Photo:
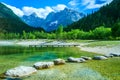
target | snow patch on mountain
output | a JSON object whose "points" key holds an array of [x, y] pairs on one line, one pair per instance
{"points": [[53, 23]]}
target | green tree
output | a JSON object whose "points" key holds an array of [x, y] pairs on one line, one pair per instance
{"points": [[24, 36], [116, 30], [59, 32], [102, 33]]}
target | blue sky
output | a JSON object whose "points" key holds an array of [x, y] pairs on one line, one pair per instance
{"points": [[43, 7]]}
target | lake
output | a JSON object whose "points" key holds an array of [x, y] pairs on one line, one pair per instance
{"points": [[14, 56]]}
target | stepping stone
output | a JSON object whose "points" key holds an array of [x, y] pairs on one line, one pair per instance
{"points": [[20, 71], [115, 54], [109, 56], [59, 61], [99, 58], [86, 58], [78, 60], [43, 65]]}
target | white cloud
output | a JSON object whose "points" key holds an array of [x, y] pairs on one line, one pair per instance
{"points": [[41, 12], [91, 4], [59, 7], [74, 2], [17, 11]]}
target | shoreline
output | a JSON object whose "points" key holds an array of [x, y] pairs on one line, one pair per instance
{"points": [[97, 49]]}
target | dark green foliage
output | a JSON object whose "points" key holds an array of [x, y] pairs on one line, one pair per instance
{"points": [[59, 32], [107, 16], [116, 30], [102, 33], [98, 33], [9, 22]]}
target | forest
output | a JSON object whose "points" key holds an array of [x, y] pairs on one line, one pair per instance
{"points": [[99, 33]]}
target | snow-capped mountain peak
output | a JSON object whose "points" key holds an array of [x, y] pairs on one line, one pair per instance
{"points": [[53, 19]]}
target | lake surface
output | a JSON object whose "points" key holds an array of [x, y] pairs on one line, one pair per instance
{"points": [[13, 56]]}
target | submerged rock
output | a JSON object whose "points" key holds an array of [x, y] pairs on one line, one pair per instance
{"points": [[79, 60], [20, 71], [99, 57], [43, 65], [59, 61]]}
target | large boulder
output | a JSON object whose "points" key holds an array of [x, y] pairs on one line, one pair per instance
{"points": [[78, 60], [86, 58], [99, 57], [59, 61], [43, 65], [20, 71], [109, 56]]}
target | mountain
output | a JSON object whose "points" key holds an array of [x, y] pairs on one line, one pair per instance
{"points": [[54, 19], [33, 20], [107, 16], [9, 22]]}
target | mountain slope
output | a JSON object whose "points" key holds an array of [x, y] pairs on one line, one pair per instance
{"points": [[33, 20], [64, 17], [9, 22], [54, 19], [107, 16]]}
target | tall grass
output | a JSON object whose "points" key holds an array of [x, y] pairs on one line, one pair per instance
{"points": [[108, 68]]}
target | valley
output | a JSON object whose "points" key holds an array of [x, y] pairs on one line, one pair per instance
{"points": [[60, 40]]}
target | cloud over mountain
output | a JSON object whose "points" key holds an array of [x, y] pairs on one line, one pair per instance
{"points": [[41, 12], [79, 5]]}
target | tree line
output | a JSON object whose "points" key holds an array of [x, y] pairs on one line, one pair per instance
{"points": [[100, 32]]}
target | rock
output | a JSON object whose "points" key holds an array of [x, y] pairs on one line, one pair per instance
{"points": [[86, 58], [59, 61], [115, 54], [20, 71], [43, 65], [108, 56], [99, 57], [71, 59]]}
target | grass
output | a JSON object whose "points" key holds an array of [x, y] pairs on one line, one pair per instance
{"points": [[80, 41], [108, 68], [103, 43]]}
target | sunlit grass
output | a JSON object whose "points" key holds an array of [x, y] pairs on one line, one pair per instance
{"points": [[108, 68], [103, 43], [80, 41]]}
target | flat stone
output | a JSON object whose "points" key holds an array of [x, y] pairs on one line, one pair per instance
{"points": [[78, 60], [43, 65], [115, 54], [86, 58], [109, 56], [99, 57], [59, 61], [20, 71]]}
